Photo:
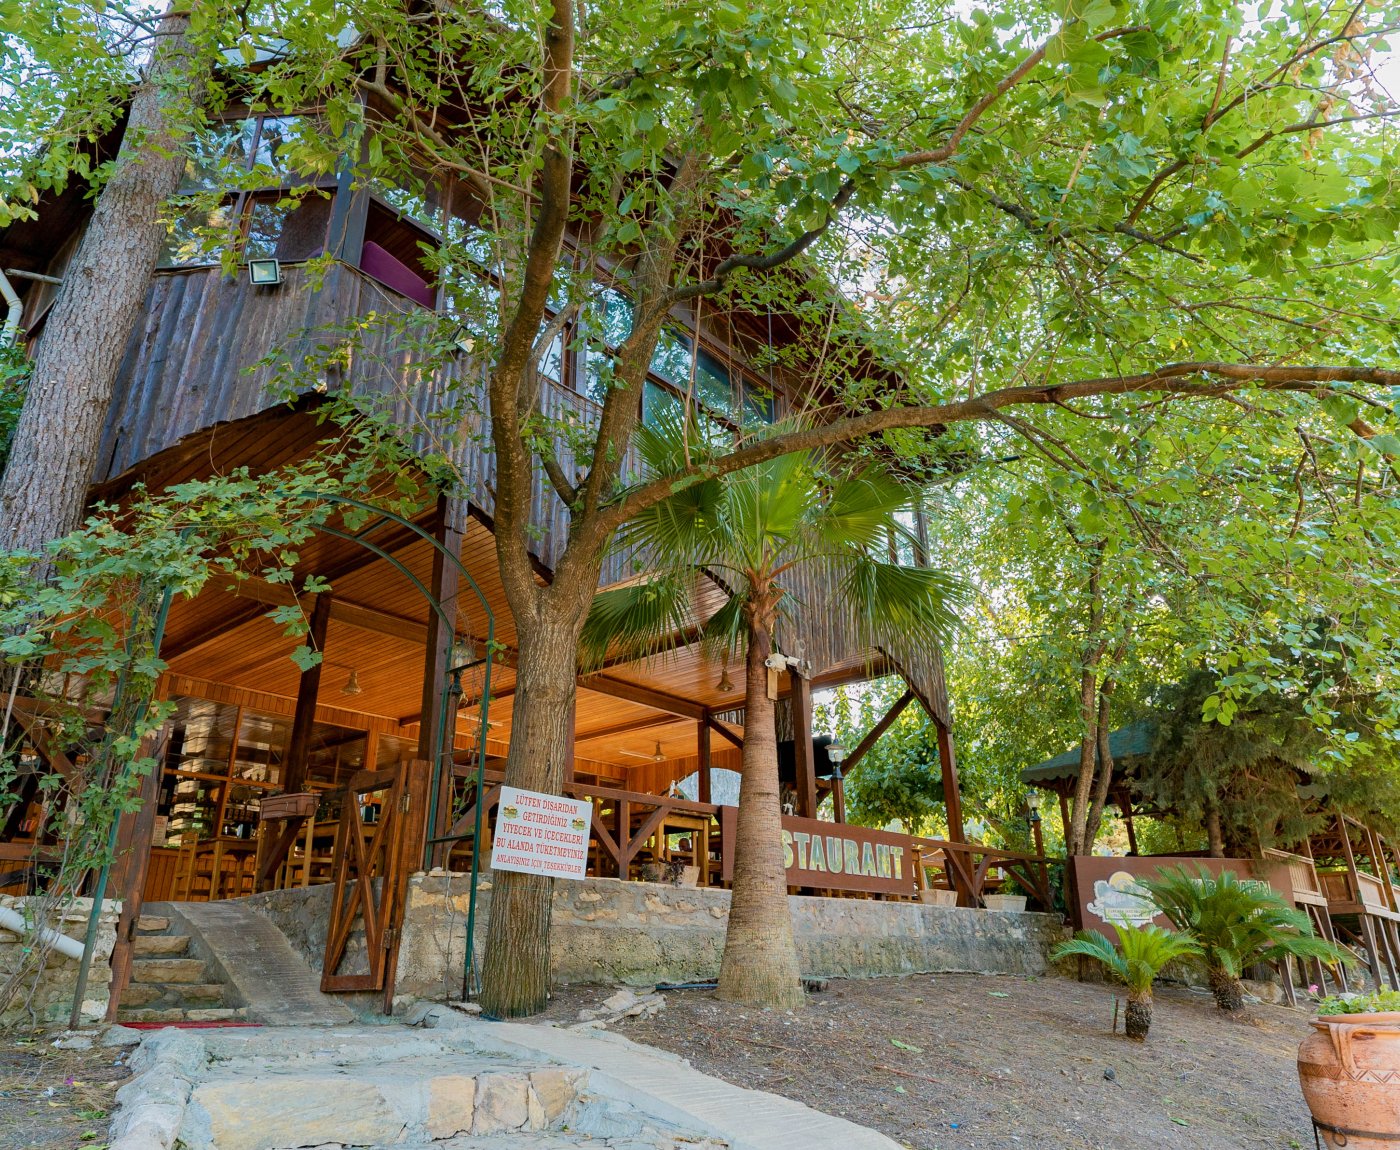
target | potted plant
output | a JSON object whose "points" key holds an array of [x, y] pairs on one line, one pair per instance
{"points": [[1237, 925], [1009, 896], [1135, 962], [1349, 1069]]}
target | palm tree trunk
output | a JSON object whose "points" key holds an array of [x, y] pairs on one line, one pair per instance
{"points": [[1137, 1021], [1228, 990], [760, 956]]}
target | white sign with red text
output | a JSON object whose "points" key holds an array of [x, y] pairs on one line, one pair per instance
{"points": [[541, 834]]}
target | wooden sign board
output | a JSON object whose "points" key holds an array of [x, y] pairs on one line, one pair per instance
{"points": [[834, 856], [541, 834], [1105, 890]]}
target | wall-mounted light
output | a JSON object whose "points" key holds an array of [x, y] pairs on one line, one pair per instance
{"points": [[463, 652], [264, 272], [1033, 805]]}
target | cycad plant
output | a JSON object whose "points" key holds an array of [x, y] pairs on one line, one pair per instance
{"points": [[725, 549], [1136, 961], [1236, 925]]}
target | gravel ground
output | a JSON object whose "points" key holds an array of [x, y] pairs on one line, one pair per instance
{"points": [[952, 1062], [55, 1099]]}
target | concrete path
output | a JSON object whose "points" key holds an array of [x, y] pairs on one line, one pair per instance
{"points": [[274, 983], [451, 1083], [670, 1089]]}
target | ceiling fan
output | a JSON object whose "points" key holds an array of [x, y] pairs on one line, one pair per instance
{"points": [[656, 756]]}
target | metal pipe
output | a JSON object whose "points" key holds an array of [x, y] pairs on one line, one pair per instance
{"points": [[11, 329]]}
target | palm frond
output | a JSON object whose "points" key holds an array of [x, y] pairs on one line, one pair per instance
{"points": [[635, 620], [860, 511], [891, 602]]}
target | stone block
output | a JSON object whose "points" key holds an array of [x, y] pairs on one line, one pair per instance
{"points": [[205, 992], [160, 944], [152, 923], [555, 1090], [167, 970], [260, 1112], [502, 1103], [141, 993], [451, 1105]]}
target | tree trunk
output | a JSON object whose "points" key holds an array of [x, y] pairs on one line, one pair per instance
{"points": [[1084, 784], [759, 966], [44, 491], [1228, 990], [515, 974], [1214, 835], [1105, 776], [1137, 1021]]}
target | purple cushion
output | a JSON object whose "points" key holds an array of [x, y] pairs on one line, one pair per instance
{"points": [[394, 273]]}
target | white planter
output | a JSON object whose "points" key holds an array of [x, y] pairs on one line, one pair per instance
{"points": [[939, 896], [1005, 901]]}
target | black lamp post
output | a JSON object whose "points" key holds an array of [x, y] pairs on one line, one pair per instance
{"points": [[836, 755]]}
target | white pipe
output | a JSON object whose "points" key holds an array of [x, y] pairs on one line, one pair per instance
{"points": [[11, 329], [11, 920]]}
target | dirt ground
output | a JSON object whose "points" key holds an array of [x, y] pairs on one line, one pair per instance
{"points": [[55, 1099], [952, 1062]]}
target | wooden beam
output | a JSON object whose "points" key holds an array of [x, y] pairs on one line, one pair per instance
{"points": [[645, 696], [952, 797], [723, 731], [873, 735], [249, 609], [304, 717], [800, 693], [645, 722], [356, 615]]}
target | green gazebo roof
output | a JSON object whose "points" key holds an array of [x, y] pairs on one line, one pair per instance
{"points": [[1132, 741]]}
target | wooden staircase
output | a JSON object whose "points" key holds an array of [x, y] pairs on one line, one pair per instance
{"points": [[169, 983]]}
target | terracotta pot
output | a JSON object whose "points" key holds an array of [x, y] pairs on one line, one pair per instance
{"points": [[1349, 1068]]}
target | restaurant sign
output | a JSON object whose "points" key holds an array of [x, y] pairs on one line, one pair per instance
{"points": [[834, 856], [541, 834]]}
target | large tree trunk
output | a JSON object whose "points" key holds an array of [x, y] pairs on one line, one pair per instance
{"points": [[1105, 777], [1088, 744], [515, 976], [759, 966], [44, 491]]}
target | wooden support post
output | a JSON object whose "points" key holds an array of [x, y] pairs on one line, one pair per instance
{"points": [[449, 530], [304, 718], [129, 875], [952, 798], [801, 700], [1064, 812], [838, 798], [702, 751]]}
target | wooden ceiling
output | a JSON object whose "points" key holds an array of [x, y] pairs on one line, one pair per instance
{"points": [[378, 627]]}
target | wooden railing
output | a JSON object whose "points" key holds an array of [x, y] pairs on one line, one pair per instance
{"points": [[967, 869]]}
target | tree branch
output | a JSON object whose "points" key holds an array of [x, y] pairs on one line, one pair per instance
{"points": [[1177, 378]]}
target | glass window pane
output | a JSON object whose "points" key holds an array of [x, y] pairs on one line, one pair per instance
{"points": [[275, 136], [262, 746], [196, 237], [671, 360], [265, 222], [218, 156]]}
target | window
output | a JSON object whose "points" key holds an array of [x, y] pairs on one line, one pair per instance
{"points": [[245, 197]]}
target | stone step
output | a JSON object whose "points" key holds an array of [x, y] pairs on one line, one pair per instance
{"points": [[216, 1014], [168, 970], [152, 924], [199, 993], [142, 994], [162, 944], [365, 1105], [169, 1014]]}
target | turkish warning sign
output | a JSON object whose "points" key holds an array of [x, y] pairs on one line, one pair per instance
{"points": [[541, 834]]}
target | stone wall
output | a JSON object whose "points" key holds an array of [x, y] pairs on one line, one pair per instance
{"points": [[35, 992], [608, 931]]}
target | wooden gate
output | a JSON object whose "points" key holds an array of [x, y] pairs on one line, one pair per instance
{"points": [[373, 859]]}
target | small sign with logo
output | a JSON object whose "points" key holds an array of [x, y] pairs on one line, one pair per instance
{"points": [[541, 834]]}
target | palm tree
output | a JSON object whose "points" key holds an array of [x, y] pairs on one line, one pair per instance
{"points": [[1236, 924], [1135, 962], [744, 535]]}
